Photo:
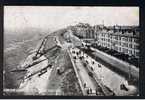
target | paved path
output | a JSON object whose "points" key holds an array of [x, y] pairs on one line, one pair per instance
{"points": [[107, 77], [83, 73], [118, 64]]}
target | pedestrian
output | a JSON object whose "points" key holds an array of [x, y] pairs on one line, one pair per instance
{"points": [[92, 68], [96, 92], [86, 61], [87, 91], [90, 91], [84, 85], [74, 61], [99, 89], [92, 62]]}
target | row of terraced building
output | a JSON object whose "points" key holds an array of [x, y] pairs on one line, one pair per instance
{"points": [[124, 39]]}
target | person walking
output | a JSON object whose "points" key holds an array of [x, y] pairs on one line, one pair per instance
{"points": [[84, 85], [90, 91]]}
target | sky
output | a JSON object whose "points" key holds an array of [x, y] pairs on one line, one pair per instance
{"points": [[56, 17]]}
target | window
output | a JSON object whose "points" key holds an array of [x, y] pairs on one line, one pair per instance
{"points": [[123, 38], [113, 37], [104, 35], [126, 39], [126, 50], [123, 44], [123, 49], [108, 40], [126, 44], [109, 36], [130, 39], [137, 53], [116, 37], [136, 46], [108, 45], [116, 48], [120, 49], [130, 45], [136, 40], [116, 42], [130, 51]]}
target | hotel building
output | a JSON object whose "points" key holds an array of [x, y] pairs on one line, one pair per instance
{"points": [[123, 39]]}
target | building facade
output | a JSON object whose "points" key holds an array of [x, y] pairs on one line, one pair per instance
{"points": [[84, 30], [124, 39], [121, 39]]}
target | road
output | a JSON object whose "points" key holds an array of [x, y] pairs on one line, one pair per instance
{"points": [[107, 77], [115, 63], [83, 74]]}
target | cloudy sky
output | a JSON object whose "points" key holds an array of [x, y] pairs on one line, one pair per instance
{"points": [[53, 17]]}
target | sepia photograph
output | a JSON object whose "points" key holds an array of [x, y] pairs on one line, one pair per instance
{"points": [[71, 51]]}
